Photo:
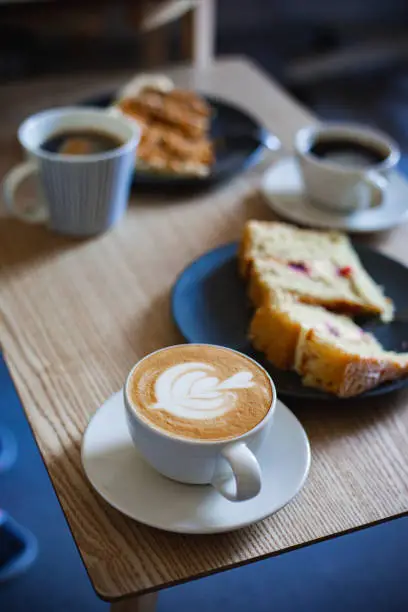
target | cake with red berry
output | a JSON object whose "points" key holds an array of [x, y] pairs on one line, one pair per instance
{"points": [[303, 283], [317, 267], [278, 325], [344, 366]]}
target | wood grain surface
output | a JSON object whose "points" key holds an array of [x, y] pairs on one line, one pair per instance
{"points": [[76, 315]]}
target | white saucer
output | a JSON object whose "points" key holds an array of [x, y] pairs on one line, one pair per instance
{"points": [[126, 482], [283, 189]]}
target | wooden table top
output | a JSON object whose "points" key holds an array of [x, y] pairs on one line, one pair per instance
{"points": [[76, 315]]}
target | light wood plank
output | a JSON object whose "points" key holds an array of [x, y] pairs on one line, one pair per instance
{"points": [[75, 316]]}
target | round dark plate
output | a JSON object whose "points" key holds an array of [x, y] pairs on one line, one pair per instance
{"points": [[210, 305], [238, 137]]}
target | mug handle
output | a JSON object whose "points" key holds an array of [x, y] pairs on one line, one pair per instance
{"points": [[245, 481], [377, 186], [13, 179]]}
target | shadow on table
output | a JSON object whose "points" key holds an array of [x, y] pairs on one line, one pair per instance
{"points": [[155, 328], [325, 421], [22, 243], [255, 207]]}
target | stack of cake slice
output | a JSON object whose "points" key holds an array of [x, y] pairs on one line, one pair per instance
{"points": [[302, 283], [319, 268]]}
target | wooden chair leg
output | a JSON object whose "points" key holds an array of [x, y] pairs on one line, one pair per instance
{"points": [[146, 603], [154, 43], [187, 36], [197, 39]]}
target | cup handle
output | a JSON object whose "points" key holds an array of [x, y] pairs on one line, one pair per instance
{"points": [[11, 183], [245, 482], [377, 186]]}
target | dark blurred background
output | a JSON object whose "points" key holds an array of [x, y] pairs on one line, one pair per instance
{"points": [[346, 59]]}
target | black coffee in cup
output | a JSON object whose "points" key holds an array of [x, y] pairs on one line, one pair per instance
{"points": [[345, 167], [81, 142], [348, 152]]}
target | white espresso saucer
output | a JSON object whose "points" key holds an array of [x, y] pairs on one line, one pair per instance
{"points": [[282, 187], [119, 474]]}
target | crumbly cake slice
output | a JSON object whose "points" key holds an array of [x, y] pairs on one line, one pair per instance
{"points": [[264, 240], [316, 282], [277, 326], [318, 267], [345, 367]]}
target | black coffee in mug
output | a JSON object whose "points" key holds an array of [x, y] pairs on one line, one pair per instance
{"points": [[348, 152], [81, 142]]}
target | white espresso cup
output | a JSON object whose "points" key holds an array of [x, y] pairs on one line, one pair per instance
{"points": [[230, 466], [80, 195], [347, 183]]}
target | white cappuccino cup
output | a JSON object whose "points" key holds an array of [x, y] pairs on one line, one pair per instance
{"points": [[179, 392]]}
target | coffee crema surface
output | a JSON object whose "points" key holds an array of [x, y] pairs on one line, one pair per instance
{"points": [[200, 392]]}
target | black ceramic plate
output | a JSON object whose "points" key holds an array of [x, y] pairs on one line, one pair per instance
{"points": [[210, 305], [239, 140]]}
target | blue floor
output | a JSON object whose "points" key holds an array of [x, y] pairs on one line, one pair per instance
{"points": [[57, 581], [361, 571]]}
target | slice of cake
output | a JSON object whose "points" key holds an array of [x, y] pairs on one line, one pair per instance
{"points": [[344, 366], [271, 239], [317, 267], [278, 325], [320, 282]]}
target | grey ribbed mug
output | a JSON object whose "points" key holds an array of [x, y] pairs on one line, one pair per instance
{"points": [[81, 195]]}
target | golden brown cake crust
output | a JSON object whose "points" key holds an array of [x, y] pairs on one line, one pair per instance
{"points": [[327, 366], [294, 277], [275, 334], [244, 256]]}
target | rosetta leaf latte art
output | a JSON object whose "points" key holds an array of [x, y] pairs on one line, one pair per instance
{"points": [[192, 391]]}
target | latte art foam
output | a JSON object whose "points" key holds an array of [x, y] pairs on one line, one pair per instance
{"points": [[201, 392], [188, 391]]}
